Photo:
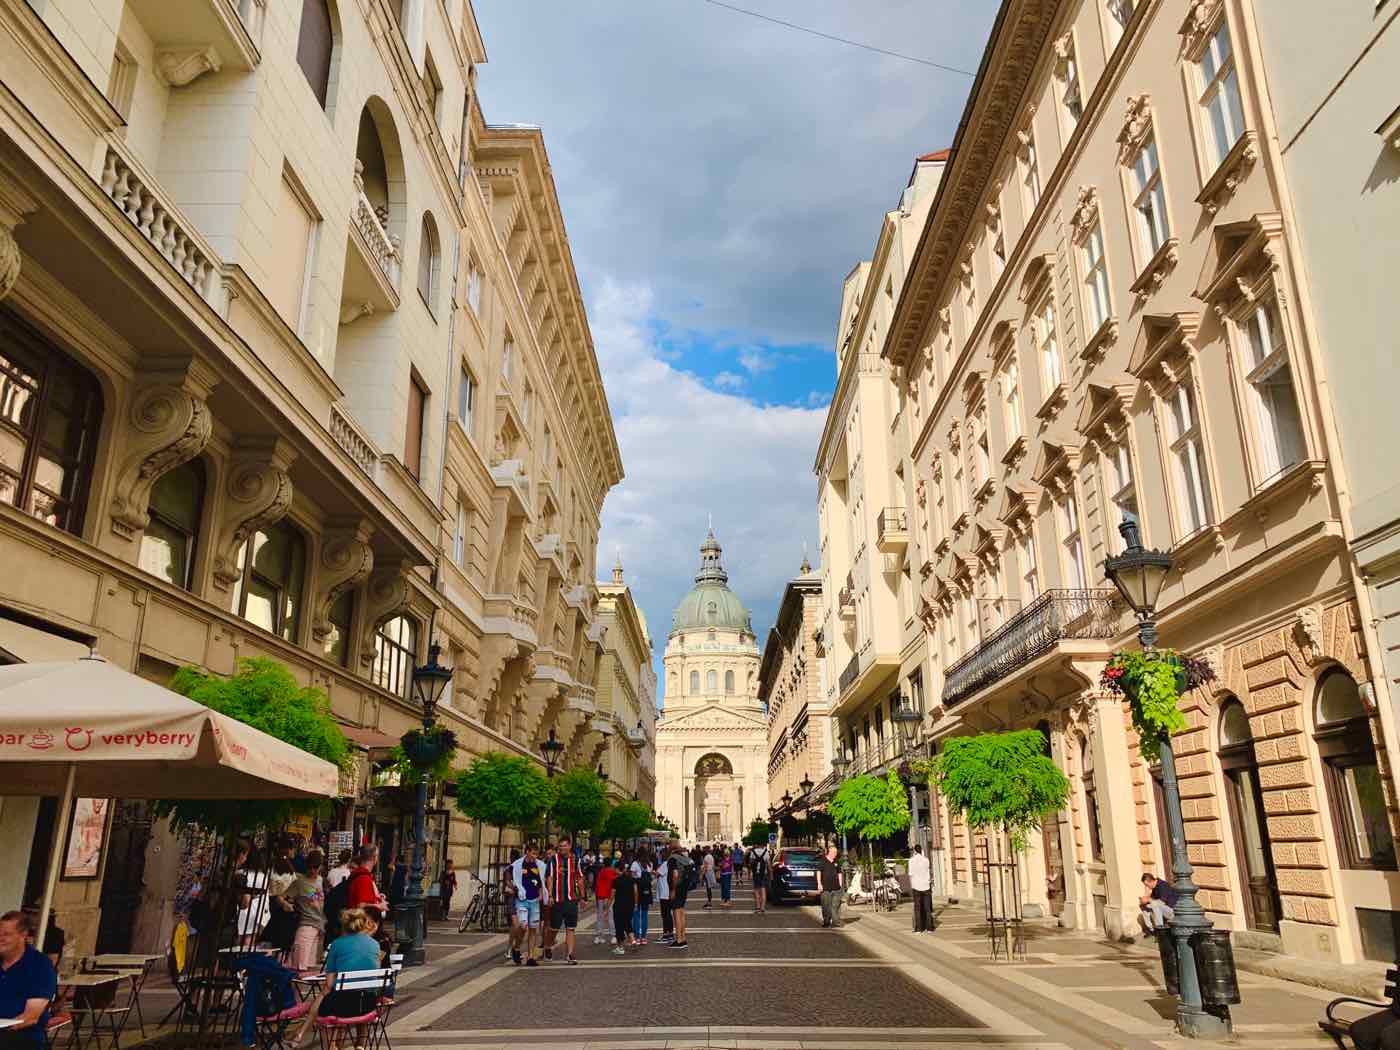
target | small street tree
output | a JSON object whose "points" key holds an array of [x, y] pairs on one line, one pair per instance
{"points": [[871, 807], [504, 791], [580, 800], [627, 820], [1001, 781], [758, 833]]}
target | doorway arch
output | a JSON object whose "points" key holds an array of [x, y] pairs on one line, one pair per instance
{"points": [[1254, 857]]}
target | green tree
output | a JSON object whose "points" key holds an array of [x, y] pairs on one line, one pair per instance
{"points": [[758, 833], [264, 695], [871, 807], [1002, 781], [627, 820], [506, 791], [580, 800]]}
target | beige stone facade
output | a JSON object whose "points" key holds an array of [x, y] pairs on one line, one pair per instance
{"points": [[626, 689], [294, 364], [791, 689], [711, 739], [1107, 315]]}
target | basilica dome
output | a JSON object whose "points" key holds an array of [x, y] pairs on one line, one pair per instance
{"points": [[710, 603]]}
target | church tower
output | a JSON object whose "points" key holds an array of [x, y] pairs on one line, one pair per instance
{"points": [[711, 742]]}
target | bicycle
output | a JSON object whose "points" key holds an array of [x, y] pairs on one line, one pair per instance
{"points": [[476, 907]]}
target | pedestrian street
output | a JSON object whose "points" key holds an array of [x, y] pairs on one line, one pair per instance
{"points": [[779, 980]]}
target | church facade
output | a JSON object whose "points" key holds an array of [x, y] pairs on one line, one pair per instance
{"points": [[712, 739]]}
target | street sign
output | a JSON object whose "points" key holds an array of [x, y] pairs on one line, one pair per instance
{"points": [[772, 838]]}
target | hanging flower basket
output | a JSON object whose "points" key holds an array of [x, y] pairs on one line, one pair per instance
{"points": [[429, 755], [1153, 681]]}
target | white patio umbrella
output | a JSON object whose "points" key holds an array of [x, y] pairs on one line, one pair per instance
{"points": [[84, 728]]}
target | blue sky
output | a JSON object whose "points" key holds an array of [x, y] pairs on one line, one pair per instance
{"points": [[719, 177]]}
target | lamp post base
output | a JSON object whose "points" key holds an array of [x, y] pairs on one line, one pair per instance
{"points": [[1201, 1024]]}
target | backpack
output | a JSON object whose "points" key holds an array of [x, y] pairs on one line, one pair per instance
{"points": [[760, 865], [687, 873], [337, 900]]}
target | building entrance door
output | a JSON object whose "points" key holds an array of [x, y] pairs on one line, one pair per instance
{"points": [[125, 876], [712, 826], [1253, 852]]}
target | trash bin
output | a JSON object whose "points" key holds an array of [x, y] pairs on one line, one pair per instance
{"points": [[1171, 970], [1215, 964]]}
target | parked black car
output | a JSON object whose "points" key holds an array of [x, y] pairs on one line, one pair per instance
{"points": [[795, 875]]}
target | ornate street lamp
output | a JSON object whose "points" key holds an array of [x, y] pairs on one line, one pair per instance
{"points": [[429, 682], [806, 785], [1139, 575], [787, 800], [840, 762], [551, 749]]}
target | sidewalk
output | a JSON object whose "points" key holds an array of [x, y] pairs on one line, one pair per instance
{"points": [[1082, 981]]}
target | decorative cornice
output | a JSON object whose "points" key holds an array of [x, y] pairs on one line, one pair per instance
{"points": [[15, 206], [1154, 274]]}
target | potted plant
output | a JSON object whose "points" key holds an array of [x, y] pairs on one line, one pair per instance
{"points": [[425, 753], [1153, 681]]}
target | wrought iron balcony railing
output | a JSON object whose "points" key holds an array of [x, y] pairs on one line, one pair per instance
{"points": [[851, 673], [1054, 616]]}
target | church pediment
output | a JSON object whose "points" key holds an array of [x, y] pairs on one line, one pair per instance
{"points": [[712, 718]]}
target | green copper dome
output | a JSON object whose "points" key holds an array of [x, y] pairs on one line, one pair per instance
{"points": [[710, 602]]}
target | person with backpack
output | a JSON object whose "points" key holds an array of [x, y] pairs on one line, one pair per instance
{"points": [[684, 875], [625, 903], [660, 877], [758, 867]]}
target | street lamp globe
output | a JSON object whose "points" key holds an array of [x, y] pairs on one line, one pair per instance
{"points": [[429, 682], [1139, 575], [787, 799], [551, 748]]}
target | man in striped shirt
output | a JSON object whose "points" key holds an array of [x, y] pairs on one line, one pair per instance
{"points": [[564, 879]]}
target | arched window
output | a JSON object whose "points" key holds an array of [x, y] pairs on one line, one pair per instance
{"points": [[395, 649], [429, 263], [315, 44], [168, 544], [336, 646], [1091, 800], [711, 682], [714, 765], [1353, 779], [269, 592], [694, 682], [1245, 805], [729, 681], [50, 413], [710, 611]]}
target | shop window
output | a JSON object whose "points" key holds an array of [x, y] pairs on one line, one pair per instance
{"points": [[395, 650], [1352, 774], [269, 591], [50, 413], [168, 544]]}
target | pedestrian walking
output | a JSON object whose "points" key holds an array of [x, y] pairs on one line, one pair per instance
{"points": [[833, 889], [682, 875], [602, 895], [921, 886], [707, 872], [447, 886], [624, 905], [308, 897], [726, 877], [758, 868], [531, 897], [253, 910], [663, 894], [737, 857], [341, 871], [641, 918], [565, 884]]}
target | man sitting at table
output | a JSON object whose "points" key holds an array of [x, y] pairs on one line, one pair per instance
{"points": [[27, 984]]}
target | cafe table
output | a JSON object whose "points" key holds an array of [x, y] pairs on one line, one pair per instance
{"points": [[100, 1020], [135, 967]]}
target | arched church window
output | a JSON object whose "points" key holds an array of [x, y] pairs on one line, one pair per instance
{"points": [[711, 682], [729, 681], [714, 765], [695, 681], [710, 611]]}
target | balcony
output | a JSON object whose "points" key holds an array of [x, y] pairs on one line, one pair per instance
{"points": [[846, 604], [1055, 617], [202, 35], [892, 530], [372, 271], [352, 439], [850, 674], [862, 678]]}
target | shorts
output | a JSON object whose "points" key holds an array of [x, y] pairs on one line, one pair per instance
{"points": [[678, 899], [760, 882], [527, 913], [563, 915]]}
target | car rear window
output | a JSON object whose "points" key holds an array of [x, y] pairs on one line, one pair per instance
{"points": [[801, 856]]}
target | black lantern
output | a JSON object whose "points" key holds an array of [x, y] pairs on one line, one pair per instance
{"points": [[1139, 575], [429, 682], [839, 762], [906, 723], [787, 799], [806, 784], [551, 749]]}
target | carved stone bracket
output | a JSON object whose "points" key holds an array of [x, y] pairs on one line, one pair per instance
{"points": [[169, 424], [15, 204], [346, 561], [1137, 124], [386, 593], [1200, 17], [180, 66], [1086, 212], [1221, 186], [259, 493], [1308, 629]]}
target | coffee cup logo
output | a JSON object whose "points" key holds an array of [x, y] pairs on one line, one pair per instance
{"points": [[41, 741]]}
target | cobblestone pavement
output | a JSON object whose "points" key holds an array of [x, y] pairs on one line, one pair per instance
{"points": [[781, 982]]}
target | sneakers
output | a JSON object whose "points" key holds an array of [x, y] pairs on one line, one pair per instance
{"points": [[678, 944], [531, 962], [515, 956], [619, 950], [667, 938], [573, 961], [641, 940], [549, 954]]}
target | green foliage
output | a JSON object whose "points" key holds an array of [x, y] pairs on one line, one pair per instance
{"points": [[264, 695], [757, 835], [441, 741], [872, 807], [627, 820], [580, 800], [1001, 780], [506, 791], [1153, 682]]}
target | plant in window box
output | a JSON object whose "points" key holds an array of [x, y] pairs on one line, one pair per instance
{"points": [[1153, 681], [425, 753]]}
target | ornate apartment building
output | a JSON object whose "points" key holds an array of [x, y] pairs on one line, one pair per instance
{"points": [[1108, 316], [791, 689], [626, 693], [293, 363]]}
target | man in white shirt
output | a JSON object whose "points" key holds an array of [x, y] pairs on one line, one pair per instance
{"points": [[921, 885], [528, 875], [663, 895], [340, 872]]}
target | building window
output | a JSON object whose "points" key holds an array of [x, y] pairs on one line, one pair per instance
{"points": [[1220, 95], [315, 44], [711, 610], [711, 682], [729, 681], [694, 682], [1279, 425], [527, 402], [459, 536], [293, 243], [268, 593], [1149, 200], [50, 414], [1047, 346], [395, 650], [1030, 569], [1096, 297], [981, 447], [466, 399], [473, 286], [507, 360], [1353, 776], [1120, 13], [998, 254], [121, 81], [1118, 480], [1072, 97], [429, 263], [413, 437], [1091, 801], [1011, 400], [168, 544], [432, 88], [916, 691], [336, 646], [1188, 459], [1072, 543]]}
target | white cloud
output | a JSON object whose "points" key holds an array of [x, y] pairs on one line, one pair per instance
{"points": [[755, 361], [690, 451], [729, 380]]}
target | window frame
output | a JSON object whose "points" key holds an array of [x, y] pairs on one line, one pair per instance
{"points": [[1028, 565], [1187, 445], [429, 248], [385, 670], [1343, 746], [190, 534], [1198, 44], [1265, 452], [1114, 461], [1045, 341], [1069, 89], [1093, 279], [247, 565], [1145, 233], [475, 281], [1069, 524], [466, 397]]}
